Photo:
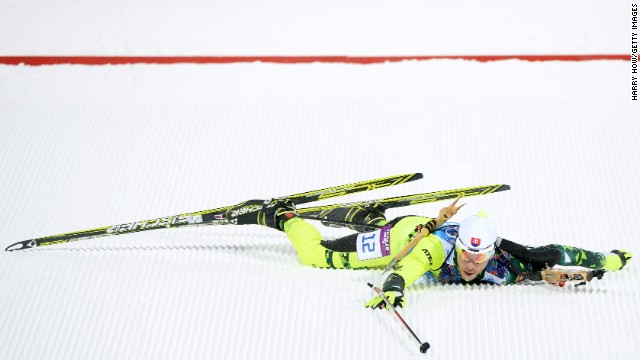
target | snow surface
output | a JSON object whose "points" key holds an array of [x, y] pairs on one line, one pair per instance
{"points": [[84, 147], [87, 146]]}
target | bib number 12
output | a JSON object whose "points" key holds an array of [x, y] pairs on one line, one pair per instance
{"points": [[375, 244]]}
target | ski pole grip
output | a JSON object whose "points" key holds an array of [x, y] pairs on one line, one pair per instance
{"points": [[375, 288], [382, 296]]}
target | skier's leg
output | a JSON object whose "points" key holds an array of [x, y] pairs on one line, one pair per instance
{"points": [[306, 239], [309, 245]]}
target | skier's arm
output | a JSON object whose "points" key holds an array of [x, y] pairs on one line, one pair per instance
{"points": [[523, 261], [536, 257], [526, 263], [427, 255], [554, 254]]}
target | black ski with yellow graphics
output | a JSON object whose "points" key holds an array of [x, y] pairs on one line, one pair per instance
{"points": [[220, 216], [341, 215]]}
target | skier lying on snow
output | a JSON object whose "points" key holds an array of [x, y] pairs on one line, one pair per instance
{"points": [[469, 252]]}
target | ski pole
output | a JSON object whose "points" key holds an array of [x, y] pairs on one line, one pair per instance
{"points": [[446, 213], [423, 346]]}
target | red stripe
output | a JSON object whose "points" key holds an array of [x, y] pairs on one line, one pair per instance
{"points": [[121, 60]]}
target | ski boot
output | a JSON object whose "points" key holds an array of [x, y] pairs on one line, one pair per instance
{"points": [[271, 213], [353, 216]]}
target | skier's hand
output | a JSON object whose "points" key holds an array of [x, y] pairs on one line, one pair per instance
{"points": [[396, 298]]}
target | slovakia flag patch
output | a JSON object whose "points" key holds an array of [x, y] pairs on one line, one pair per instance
{"points": [[475, 242]]}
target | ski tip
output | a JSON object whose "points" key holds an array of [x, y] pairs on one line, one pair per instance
{"points": [[13, 247], [499, 187], [19, 246], [405, 178]]}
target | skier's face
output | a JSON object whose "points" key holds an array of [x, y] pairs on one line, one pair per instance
{"points": [[470, 265]]}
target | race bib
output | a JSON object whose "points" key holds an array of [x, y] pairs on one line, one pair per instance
{"points": [[375, 244]]}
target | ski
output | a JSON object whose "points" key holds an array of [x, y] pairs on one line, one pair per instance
{"points": [[220, 216], [322, 213]]}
